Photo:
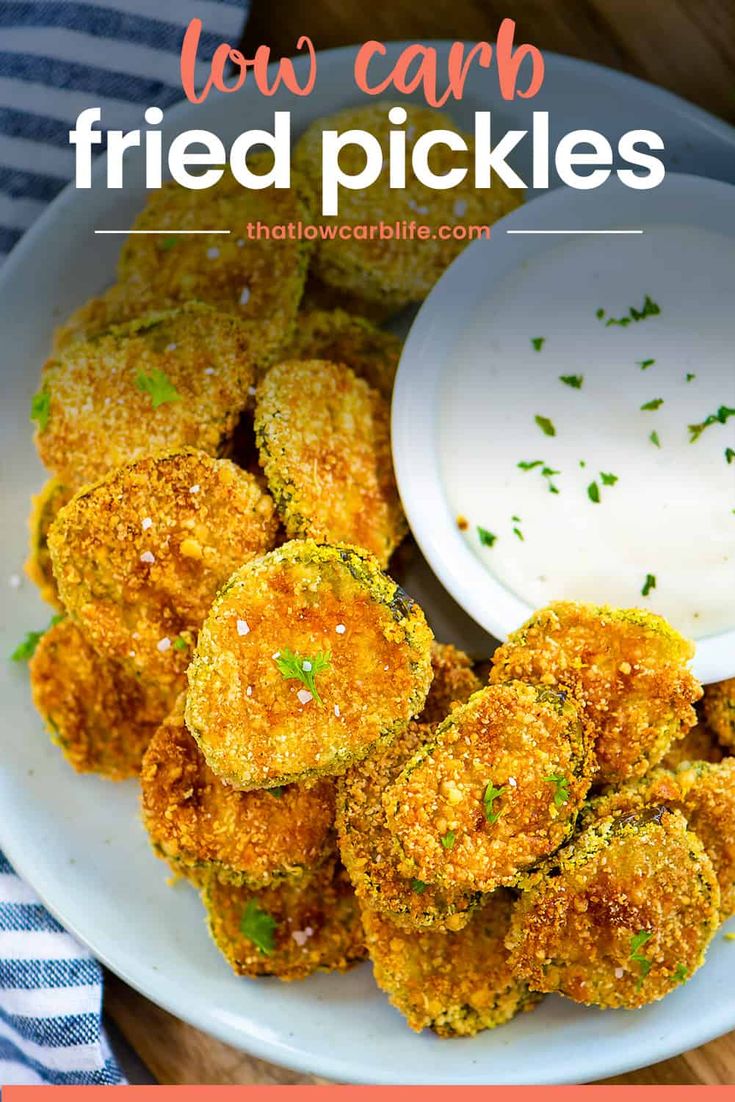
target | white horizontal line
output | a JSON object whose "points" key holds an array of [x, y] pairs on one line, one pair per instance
{"points": [[574, 231], [169, 233]]}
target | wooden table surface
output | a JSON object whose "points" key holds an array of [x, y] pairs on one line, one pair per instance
{"points": [[687, 46]]}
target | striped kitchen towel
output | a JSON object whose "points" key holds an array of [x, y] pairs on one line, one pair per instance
{"points": [[56, 58]]}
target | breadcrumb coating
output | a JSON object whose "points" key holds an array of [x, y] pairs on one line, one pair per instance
{"points": [[100, 716], [699, 744], [454, 682], [259, 279], [344, 338], [290, 930], [324, 441], [371, 854], [628, 670], [621, 916], [260, 717], [139, 556], [168, 380], [115, 306], [250, 838], [719, 710], [454, 983], [45, 505], [390, 272], [496, 790]]}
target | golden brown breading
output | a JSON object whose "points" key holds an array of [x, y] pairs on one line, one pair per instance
{"points": [[454, 983], [172, 379], [290, 930], [344, 338], [704, 793], [251, 838], [699, 744], [95, 316], [393, 272], [310, 658], [139, 556], [370, 852], [494, 791], [621, 916], [628, 670], [259, 279], [324, 442], [454, 682], [46, 505], [719, 710], [100, 716]]}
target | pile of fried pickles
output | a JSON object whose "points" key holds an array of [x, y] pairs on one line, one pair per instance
{"points": [[216, 531]]}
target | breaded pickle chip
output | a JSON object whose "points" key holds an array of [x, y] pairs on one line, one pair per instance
{"points": [[172, 379], [454, 983], [95, 316], [324, 442], [393, 271], [252, 838], [496, 789], [100, 716], [344, 338], [719, 710], [259, 278], [705, 795], [626, 667], [370, 852], [454, 682], [699, 744], [290, 930], [46, 505], [139, 556], [310, 658], [621, 916]]}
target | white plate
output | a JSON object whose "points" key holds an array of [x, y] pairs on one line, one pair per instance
{"points": [[431, 352], [78, 840]]}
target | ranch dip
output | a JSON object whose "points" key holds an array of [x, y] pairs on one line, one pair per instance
{"points": [[587, 426]]}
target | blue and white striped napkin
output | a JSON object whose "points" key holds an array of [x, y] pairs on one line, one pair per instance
{"points": [[58, 57]]}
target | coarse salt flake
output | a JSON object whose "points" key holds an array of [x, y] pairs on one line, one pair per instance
{"points": [[240, 242], [245, 296], [209, 371], [212, 253], [170, 347], [195, 488], [252, 391], [302, 936], [146, 523], [304, 696], [460, 208], [14, 581], [512, 782], [163, 644], [340, 629], [147, 556], [619, 973], [306, 665], [276, 654], [336, 711], [249, 690], [243, 627]]}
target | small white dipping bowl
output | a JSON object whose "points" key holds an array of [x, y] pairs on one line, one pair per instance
{"points": [[428, 356]]}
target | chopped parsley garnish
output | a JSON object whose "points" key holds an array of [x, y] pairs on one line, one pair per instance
{"points": [[680, 973], [561, 788], [158, 386], [447, 840], [644, 364], [529, 464], [259, 927], [27, 648], [489, 797], [276, 792], [636, 944], [649, 309], [41, 408], [608, 479], [655, 403], [298, 667], [517, 532], [180, 643], [593, 492], [538, 343], [690, 375], [546, 472], [168, 243], [648, 585], [546, 426], [418, 886], [599, 313], [729, 455], [723, 413], [487, 539], [655, 439], [574, 381]]}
